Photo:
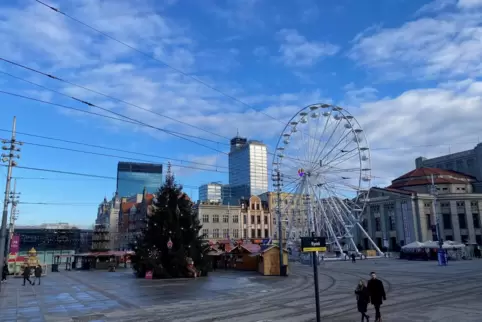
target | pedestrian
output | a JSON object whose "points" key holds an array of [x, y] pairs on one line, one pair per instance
{"points": [[38, 274], [26, 275], [4, 272], [377, 294], [362, 300], [353, 258]]}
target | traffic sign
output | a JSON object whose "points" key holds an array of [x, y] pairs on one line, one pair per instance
{"points": [[313, 244]]}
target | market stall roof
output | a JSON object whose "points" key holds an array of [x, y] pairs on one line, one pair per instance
{"points": [[108, 253]]}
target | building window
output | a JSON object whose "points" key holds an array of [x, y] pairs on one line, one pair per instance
{"points": [[465, 238], [259, 233], [253, 233], [478, 239], [245, 233], [462, 221], [235, 219], [215, 233], [266, 233], [377, 224], [205, 218], [252, 219], [429, 220], [365, 224], [392, 223], [225, 233], [258, 219], [225, 218], [460, 204], [476, 219], [252, 206], [449, 237], [235, 233], [205, 232], [245, 219], [447, 221], [215, 218], [257, 206], [274, 221], [266, 220]]}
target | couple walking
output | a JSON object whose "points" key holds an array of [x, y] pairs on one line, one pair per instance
{"points": [[27, 272], [373, 292]]}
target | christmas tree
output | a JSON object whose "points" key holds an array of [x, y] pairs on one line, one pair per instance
{"points": [[170, 242]]}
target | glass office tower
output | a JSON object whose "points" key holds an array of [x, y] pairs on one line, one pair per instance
{"points": [[211, 192], [248, 168], [132, 178]]}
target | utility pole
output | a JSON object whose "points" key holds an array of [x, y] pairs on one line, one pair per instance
{"points": [[14, 196], [9, 157], [278, 184], [436, 234]]}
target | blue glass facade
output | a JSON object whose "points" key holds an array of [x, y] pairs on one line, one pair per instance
{"points": [[132, 178]]}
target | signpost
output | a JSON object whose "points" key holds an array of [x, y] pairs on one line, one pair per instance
{"points": [[313, 245]]}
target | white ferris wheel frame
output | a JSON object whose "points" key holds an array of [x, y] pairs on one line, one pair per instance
{"points": [[340, 217]]}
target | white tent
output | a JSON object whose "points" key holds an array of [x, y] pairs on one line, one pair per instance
{"points": [[413, 245], [451, 244], [430, 244], [446, 245]]}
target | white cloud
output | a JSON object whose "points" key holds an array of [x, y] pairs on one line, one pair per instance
{"points": [[297, 51], [469, 4], [447, 45]]}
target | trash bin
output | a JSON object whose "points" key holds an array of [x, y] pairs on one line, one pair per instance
{"points": [[55, 268], [284, 270]]}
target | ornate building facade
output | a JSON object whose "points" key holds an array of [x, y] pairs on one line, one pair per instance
{"points": [[405, 211]]}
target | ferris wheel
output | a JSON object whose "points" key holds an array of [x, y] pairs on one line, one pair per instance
{"points": [[322, 175]]}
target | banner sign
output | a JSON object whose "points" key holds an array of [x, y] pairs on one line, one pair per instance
{"points": [[313, 244], [15, 244]]}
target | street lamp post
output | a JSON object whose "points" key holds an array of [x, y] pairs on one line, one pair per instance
{"points": [[436, 233]]}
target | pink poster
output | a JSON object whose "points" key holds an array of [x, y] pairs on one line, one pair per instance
{"points": [[149, 275], [15, 244]]}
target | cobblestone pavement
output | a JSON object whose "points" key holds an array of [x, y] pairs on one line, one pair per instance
{"points": [[416, 291]]}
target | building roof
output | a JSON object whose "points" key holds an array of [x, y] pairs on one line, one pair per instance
{"points": [[423, 176]]}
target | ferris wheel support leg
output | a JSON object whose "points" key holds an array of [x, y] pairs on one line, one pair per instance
{"points": [[370, 239], [354, 246]]}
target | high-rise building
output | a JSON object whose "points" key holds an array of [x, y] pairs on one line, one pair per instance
{"points": [[210, 192], [132, 178], [248, 168]]}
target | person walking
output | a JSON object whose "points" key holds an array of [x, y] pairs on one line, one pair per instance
{"points": [[38, 274], [26, 275], [4, 272], [353, 258], [376, 291], [362, 300]]}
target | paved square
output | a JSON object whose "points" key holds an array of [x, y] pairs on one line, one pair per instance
{"points": [[416, 291]]}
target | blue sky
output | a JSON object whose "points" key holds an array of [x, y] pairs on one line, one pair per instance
{"points": [[408, 70]]}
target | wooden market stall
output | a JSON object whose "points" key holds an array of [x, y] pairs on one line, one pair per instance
{"points": [[243, 259], [101, 260], [268, 260]]}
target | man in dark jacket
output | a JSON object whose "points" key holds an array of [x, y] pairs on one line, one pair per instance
{"points": [[26, 275], [377, 294], [4, 272], [38, 273]]}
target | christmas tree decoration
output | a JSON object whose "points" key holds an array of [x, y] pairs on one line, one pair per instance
{"points": [[170, 246]]}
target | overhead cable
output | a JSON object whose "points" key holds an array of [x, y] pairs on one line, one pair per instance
{"points": [[103, 148], [177, 70], [108, 96]]}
